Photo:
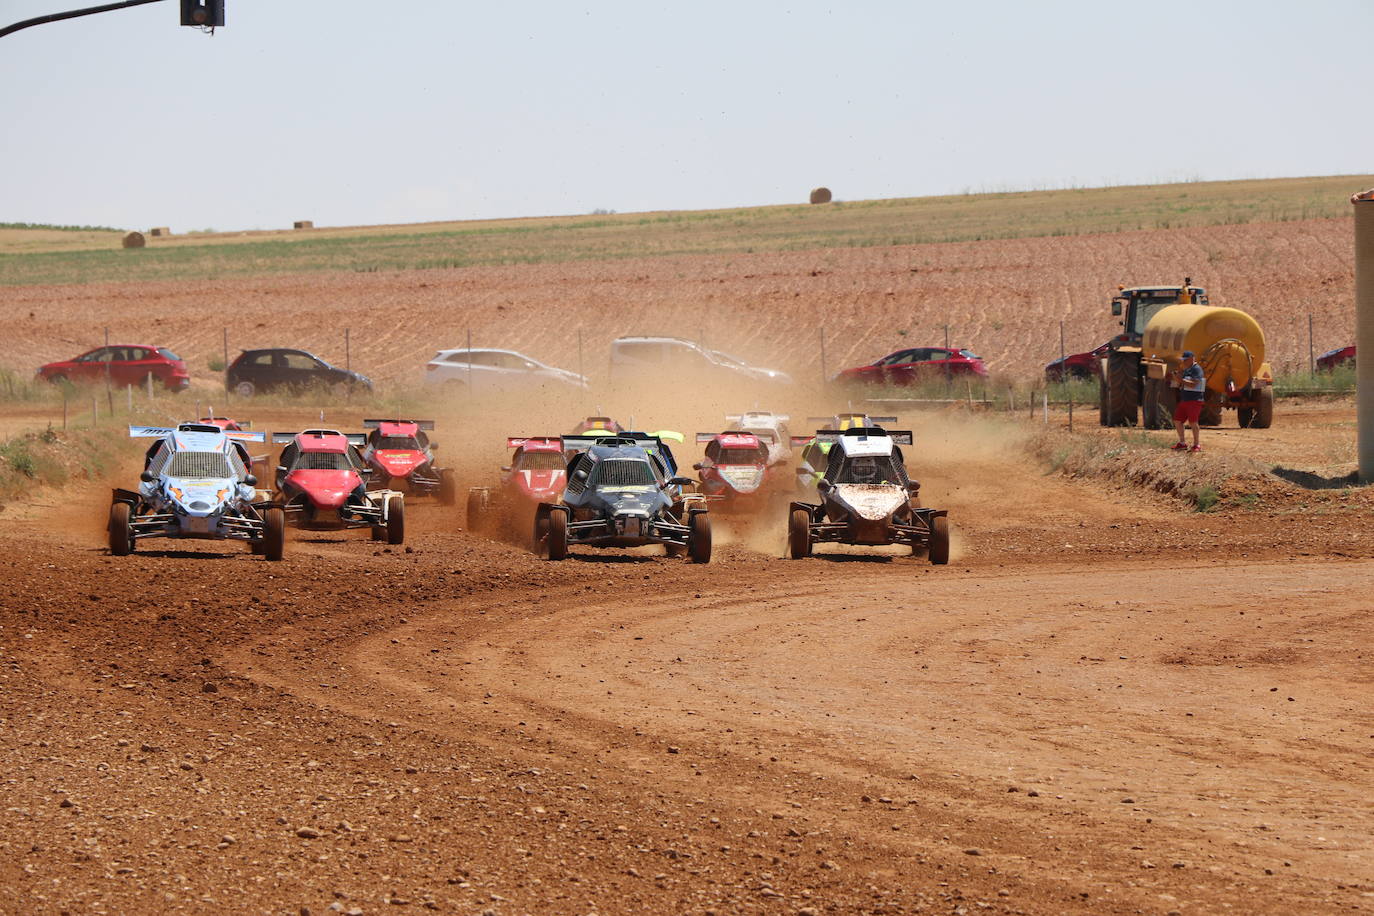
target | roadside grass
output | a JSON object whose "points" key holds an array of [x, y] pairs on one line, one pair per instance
{"points": [[24, 388], [1135, 458], [853, 224], [997, 393], [1340, 380], [54, 457]]}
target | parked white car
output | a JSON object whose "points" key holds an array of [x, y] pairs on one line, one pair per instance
{"points": [[496, 370], [673, 356]]}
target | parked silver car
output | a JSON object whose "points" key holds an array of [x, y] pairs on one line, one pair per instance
{"points": [[632, 357], [496, 370]]}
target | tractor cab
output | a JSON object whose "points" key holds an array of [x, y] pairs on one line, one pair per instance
{"points": [[1137, 305]]}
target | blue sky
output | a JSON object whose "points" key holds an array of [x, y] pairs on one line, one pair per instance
{"points": [[349, 112]]}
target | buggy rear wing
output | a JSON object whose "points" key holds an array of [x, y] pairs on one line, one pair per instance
{"points": [[758, 415], [520, 441], [427, 425], [839, 418], [763, 435], [288, 438], [899, 436], [157, 432]]}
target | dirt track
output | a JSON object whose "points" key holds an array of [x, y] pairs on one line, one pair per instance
{"points": [[1096, 708]]}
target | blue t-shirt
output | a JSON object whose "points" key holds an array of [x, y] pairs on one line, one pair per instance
{"points": [[1194, 384]]}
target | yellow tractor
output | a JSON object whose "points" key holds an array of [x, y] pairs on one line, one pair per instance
{"points": [[1158, 324]]}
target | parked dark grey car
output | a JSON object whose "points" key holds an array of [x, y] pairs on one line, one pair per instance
{"points": [[253, 371], [618, 495]]}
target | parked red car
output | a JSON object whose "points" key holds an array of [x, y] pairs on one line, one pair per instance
{"points": [[127, 364], [1077, 365], [1337, 357], [915, 365]]}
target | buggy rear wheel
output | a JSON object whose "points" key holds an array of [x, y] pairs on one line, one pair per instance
{"points": [[395, 520], [939, 541], [448, 488], [799, 534], [273, 533], [558, 535], [121, 534], [699, 537], [478, 503]]}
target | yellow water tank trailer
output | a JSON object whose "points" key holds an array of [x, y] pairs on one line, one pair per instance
{"points": [[1228, 344]]}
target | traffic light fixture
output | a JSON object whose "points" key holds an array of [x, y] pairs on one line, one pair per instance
{"points": [[207, 14]]}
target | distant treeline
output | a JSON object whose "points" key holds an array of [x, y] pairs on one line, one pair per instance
{"points": [[59, 228]]}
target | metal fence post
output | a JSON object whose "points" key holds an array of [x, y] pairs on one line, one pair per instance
{"points": [[1067, 379], [1311, 351]]}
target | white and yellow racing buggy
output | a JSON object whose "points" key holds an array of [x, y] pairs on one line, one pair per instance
{"points": [[196, 484], [866, 498]]}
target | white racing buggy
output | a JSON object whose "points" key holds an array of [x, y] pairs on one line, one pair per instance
{"points": [[867, 498], [196, 484], [770, 428]]}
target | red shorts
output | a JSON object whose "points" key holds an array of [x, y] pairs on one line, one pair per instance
{"points": [[1188, 411]]}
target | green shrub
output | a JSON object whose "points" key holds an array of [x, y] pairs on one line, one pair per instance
{"points": [[1205, 497]]}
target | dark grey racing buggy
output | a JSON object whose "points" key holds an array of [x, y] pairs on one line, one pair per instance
{"points": [[621, 492], [867, 498]]}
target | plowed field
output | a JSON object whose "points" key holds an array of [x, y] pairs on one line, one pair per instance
{"points": [[1002, 299]]}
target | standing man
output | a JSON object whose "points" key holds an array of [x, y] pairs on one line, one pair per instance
{"points": [[1191, 383]]}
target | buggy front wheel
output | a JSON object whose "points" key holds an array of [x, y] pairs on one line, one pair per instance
{"points": [[939, 541], [121, 533], [799, 534], [395, 520], [558, 535], [699, 537], [273, 533], [448, 488]]}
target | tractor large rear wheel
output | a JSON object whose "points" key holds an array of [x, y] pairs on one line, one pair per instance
{"points": [[939, 540], [1211, 410], [121, 533], [1261, 416], [1158, 408], [799, 534], [1123, 389]]}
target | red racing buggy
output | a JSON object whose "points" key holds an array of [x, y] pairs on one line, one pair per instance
{"points": [[536, 474], [320, 482], [400, 451], [736, 474]]}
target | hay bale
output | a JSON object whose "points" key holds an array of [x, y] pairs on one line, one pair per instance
{"points": [[159, 232], [820, 196], [134, 240], [303, 224]]}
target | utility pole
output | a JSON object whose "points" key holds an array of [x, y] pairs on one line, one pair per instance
{"points": [[1364, 331]]}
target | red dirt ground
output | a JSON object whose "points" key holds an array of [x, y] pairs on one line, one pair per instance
{"points": [[1107, 703]]}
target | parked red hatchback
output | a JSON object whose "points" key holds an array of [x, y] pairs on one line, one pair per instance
{"points": [[918, 364], [1078, 365], [1337, 357], [127, 364]]}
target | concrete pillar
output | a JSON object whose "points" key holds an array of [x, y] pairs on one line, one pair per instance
{"points": [[1364, 331]]}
